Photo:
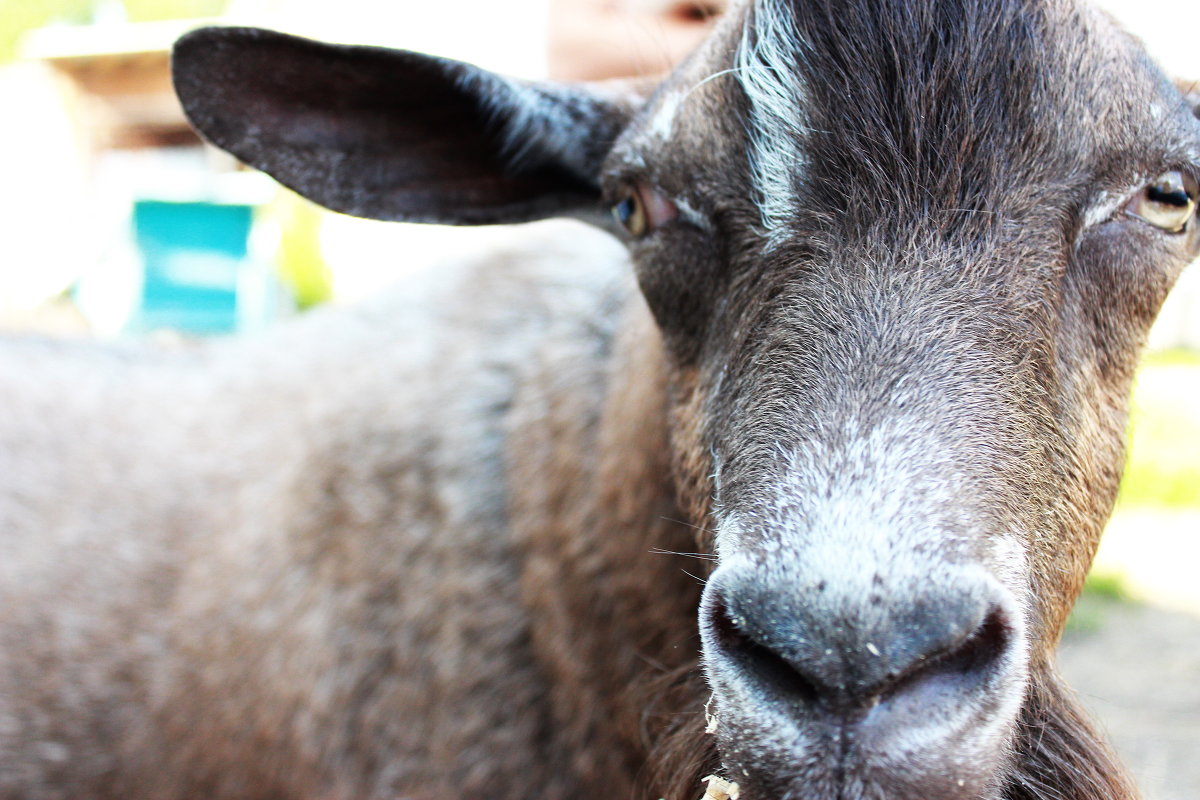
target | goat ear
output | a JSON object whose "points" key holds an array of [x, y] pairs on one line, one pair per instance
{"points": [[394, 135]]}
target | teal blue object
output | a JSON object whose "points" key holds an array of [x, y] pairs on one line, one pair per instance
{"points": [[193, 254]]}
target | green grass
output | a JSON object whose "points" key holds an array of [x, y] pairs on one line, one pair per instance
{"points": [[1164, 448], [18, 17], [1107, 586], [1101, 593]]}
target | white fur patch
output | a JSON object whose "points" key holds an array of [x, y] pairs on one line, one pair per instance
{"points": [[690, 214], [1107, 205], [767, 68], [663, 123]]}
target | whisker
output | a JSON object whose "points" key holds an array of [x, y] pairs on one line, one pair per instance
{"points": [[702, 556], [700, 528]]}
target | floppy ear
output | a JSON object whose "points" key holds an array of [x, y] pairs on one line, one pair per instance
{"points": [[394, 135]]}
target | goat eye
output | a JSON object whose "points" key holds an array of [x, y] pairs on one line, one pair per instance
{"points": [[644, 210], [632, 216], [1167, 203]]}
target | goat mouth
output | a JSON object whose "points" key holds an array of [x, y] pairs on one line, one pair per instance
{"points": [[850, 761], [847, 785]]}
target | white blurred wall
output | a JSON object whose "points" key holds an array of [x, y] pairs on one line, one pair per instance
{"points": [[1168, 27], [504, 35], [46, 229]]}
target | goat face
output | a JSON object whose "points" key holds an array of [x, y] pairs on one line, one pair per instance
{"points": [[903, 280], [902, 257]]}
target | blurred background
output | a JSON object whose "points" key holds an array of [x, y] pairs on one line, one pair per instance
{"points": [[113, 211], [116, 221]]}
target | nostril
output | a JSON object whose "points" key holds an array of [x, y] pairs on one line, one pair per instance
{"points": [[768, 671], [979, 651], [969, 661]]}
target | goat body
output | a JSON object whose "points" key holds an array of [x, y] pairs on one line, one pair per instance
{"points": [[309, 543]]}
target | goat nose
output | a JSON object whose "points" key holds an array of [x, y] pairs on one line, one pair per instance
{"points": [[845, 657]]}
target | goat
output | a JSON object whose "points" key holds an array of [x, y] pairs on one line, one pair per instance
{"points": [[864, 351]]}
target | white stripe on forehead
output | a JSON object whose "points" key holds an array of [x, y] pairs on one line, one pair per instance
{"points": [[766, 65], [662, 125]]}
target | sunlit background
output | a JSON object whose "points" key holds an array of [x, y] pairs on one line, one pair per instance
{"points": [[1154, 541], [115, 221]]}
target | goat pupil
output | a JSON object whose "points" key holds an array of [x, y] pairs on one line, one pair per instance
{"points": [[1169, 194], [624, 211]]}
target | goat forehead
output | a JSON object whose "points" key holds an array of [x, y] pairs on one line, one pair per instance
{"points": [[954, 100]]}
